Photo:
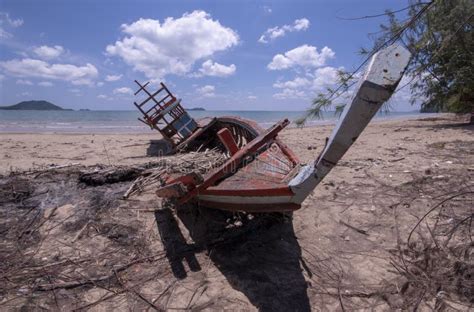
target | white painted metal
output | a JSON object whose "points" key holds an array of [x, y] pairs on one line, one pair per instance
{"points": [[383, 74]]}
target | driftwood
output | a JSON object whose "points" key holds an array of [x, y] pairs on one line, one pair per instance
{"points": [[151, 173], [109, 176], [353, 228], [89, 281]]}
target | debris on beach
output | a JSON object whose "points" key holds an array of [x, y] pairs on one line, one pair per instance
{"points": [[67, 245]]}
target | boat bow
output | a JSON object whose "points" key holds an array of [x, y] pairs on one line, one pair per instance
{"points": [[383, 74]]}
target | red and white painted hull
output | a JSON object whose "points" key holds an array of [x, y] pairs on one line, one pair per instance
{"points": [[264, 175]]}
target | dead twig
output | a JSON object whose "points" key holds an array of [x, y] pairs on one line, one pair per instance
{"points": [[353, 228], [431, 210], [138, 294]]}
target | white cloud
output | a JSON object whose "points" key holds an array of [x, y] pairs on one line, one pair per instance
{"points": [[4, 34], [251, 97], [48, 53], [309, 85], [206, 91], [304, 56], [100, 84], [172, 47], [75, 90], [24, 82], [6, 20], [123, 90], [324, 77], [45, 84], [209, 68], [113, 77], [267, 9], [78, 75], [275, 32], [298, 82], [289, 94], [104, 97]]}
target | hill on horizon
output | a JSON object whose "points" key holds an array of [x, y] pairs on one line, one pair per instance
{"points": [[33, 105]]}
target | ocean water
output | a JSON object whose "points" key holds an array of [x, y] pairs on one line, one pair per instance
{"points": [[126, 121]]}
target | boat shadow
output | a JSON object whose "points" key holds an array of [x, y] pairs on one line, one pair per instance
{"points": [[261, 258], [158, 148]]}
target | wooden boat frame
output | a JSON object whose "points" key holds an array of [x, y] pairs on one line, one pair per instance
{"points": [[261, 173]]}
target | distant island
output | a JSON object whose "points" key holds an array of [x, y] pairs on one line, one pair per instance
{"points": [[196, 109], [34, 105]]}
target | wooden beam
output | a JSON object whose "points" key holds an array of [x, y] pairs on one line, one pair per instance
{"points": [[231, 165]]}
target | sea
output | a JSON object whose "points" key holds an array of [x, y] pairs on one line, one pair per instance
{"points": [[20, 121]]}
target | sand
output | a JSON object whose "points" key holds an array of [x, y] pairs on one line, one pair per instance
{"points": [[337, 253], [381, 140]]}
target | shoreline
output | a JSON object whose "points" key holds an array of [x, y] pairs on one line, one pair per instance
{"points": [[142, 130], [23, 151]]}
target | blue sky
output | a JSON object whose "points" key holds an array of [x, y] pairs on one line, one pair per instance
{"points": [[221, 55]]}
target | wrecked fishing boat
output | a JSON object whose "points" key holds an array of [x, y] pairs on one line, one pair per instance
{"points": [[260, 173]]}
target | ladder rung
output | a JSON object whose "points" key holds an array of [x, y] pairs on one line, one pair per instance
{"points": [[141, 87], [150, 97]]}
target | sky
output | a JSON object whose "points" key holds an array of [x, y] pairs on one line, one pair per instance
{"points": [[220, 55]]}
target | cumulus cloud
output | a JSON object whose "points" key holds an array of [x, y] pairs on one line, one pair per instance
{"points": [[78, 75], [275, 32], [45, 84], [289, 94], [251, 97], [113, 77], [123, 90], [324, 77], [47, 52], [172, 47], [209, 68], [206, 91], [298, 82], [303, 56], [24, 82], [307, 86], [6, 20]]}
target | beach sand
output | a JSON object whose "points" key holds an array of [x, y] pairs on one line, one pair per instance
{"points": [[384, 140], [336, 252]]}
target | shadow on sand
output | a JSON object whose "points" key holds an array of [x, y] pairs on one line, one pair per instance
{"points": [[261, 259], [158, 148]]}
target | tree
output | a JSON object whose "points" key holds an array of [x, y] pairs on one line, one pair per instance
{"points": [[439, 36]]}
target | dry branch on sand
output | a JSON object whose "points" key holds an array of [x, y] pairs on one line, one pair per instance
{"points": [[152, 172], [199, 162], [437, 261], [64, 243]]}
